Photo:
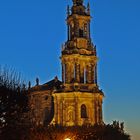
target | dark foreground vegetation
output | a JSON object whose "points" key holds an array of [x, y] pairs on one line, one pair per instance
{"points": [[13, 104], [15, 124], [104, 132]]}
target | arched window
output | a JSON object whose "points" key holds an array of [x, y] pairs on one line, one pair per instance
{"points": [[81, 33], [83, 111]]}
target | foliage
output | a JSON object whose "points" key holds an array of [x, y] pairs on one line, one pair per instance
{"points": [[13, 102], [97, 132]]}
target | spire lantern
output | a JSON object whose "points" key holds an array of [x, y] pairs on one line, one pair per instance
{"points": [[77, 69], [77, 2]]}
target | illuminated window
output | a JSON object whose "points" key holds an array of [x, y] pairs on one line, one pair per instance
{"points": [[83, 111]]}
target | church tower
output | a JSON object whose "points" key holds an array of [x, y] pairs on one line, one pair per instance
{"points": [[79, 101]]}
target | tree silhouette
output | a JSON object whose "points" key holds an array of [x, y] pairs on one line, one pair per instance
{"points": [[97, 132], [13, 103]]}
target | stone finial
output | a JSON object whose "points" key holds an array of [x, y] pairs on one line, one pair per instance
{"points": [[29, 85], [88, 8], [24, 86], [68, 10], [37, 81], [122, 126], [74, 2], [95, 49], [63, 47], [56, 78], [77, 2]]}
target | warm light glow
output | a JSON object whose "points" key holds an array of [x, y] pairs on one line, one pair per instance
{"points": [[67, 139]]}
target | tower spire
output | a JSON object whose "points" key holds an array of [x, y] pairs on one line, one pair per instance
{"points": [[79, 73]]}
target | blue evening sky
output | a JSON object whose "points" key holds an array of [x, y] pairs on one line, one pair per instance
{"points": [[31, 34]]}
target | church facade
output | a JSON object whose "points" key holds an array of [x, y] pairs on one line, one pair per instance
{"points": [[77, 99]]}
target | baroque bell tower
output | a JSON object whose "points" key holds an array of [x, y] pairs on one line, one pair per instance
{"points": [[79, 102]]}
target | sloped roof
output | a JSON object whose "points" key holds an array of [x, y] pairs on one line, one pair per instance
{"points": [[55, 83], [51, 85]]}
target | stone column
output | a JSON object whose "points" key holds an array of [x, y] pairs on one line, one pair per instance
{"points": [[77, 72], [71, 33], [100, 106], [64, 113], [71, 66], [67, 73], [89, 74], [99, 112], [95, 113], [89, 30], [56, 109], [92, 73], [95, 74], [68, 32], [81, 73], [63, 73], [76, 29], [61, 112], [76, 111]]}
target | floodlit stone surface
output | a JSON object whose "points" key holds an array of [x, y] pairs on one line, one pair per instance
{"points": [[77, 99]]}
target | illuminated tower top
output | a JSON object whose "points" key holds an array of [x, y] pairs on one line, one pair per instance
{"points": [[78, 7], [79, 60], [78, 20]]}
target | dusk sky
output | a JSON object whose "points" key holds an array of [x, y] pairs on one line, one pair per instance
{"points": [[32, 32]]}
